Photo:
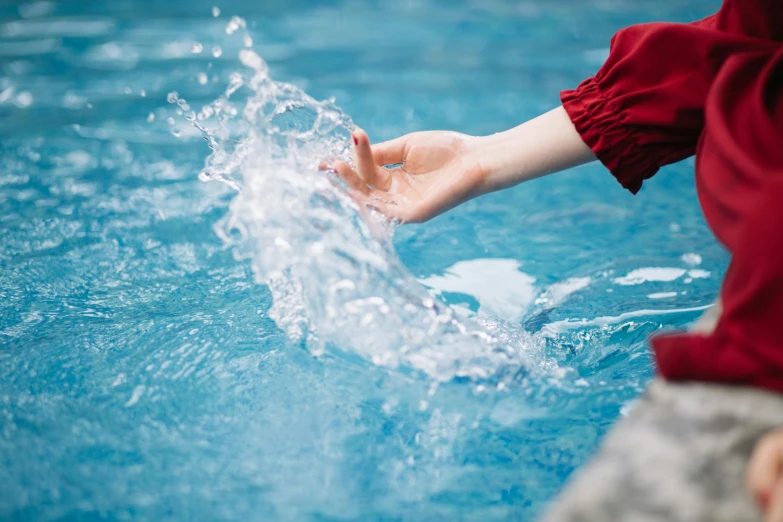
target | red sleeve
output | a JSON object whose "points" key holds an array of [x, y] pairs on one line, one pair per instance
{"points": [[739, 171], [645, 106], [718, 82]]}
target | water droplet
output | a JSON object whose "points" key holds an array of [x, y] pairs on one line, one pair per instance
{"points": [[183, 105], [74, 101], [248, 41], [216, 11], [89, 105], [143, 93], [176, 132], [202, 79], [170, 120], [206, 112], [252, 60], [172, 97], [150, 118], [234, 82], [235, 23], [217, 52], [128, 90], [197, 48], [24, 99]]}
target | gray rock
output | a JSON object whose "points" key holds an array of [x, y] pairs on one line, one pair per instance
{"points": [[680, 455]]}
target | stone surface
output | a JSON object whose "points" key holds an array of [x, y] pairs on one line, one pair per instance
{"points": [[680, 455]]}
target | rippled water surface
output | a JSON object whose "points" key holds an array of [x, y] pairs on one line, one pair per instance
{"points": [[195, 324]]}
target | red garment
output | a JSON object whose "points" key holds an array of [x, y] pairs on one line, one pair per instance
{"points": [[713, 88]]}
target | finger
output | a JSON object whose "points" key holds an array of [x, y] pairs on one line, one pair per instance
{"points": [[775, 511], [372, 202], [359, 191], [349, 176], [398, 209], [764, 466], [380, 201], [764, 469], [376, 201], [371, 173], [390, 152]]}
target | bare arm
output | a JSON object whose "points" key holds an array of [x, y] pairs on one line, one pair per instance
{"points": [[541, 146]]}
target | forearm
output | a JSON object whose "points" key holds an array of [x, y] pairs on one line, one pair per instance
{"points": [[541, 146]]}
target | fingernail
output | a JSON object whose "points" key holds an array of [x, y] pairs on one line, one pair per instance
{"points": [[355, 139], [763, 499]]}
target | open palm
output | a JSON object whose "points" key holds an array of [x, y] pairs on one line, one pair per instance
{"points": [[415, 177]]}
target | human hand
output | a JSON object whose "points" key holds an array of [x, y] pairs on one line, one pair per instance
{"points": [[438, 170], [764, 476], [430, 173]]}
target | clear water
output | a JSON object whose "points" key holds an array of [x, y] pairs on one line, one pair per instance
{"points": [[177, 347]]}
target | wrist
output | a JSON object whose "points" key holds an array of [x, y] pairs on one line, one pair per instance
{"points": [[541, 146], [491, 155]]}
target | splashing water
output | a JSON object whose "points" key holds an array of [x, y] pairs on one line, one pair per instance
{"points": [[330, 264]]}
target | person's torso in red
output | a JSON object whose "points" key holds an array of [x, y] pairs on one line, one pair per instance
{"points": [[713, 88]]}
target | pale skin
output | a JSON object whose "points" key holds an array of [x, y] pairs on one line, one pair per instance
{"points": [[435, 171], [764, 476], [440, 170]]}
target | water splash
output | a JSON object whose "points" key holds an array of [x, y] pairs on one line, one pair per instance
{"points": [[329, 263]]}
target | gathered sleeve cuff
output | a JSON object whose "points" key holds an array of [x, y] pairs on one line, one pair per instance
{"points": [[601, 129], [645, 107]]}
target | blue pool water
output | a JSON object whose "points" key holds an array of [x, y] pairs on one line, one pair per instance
{"points": [[173, 349]]}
